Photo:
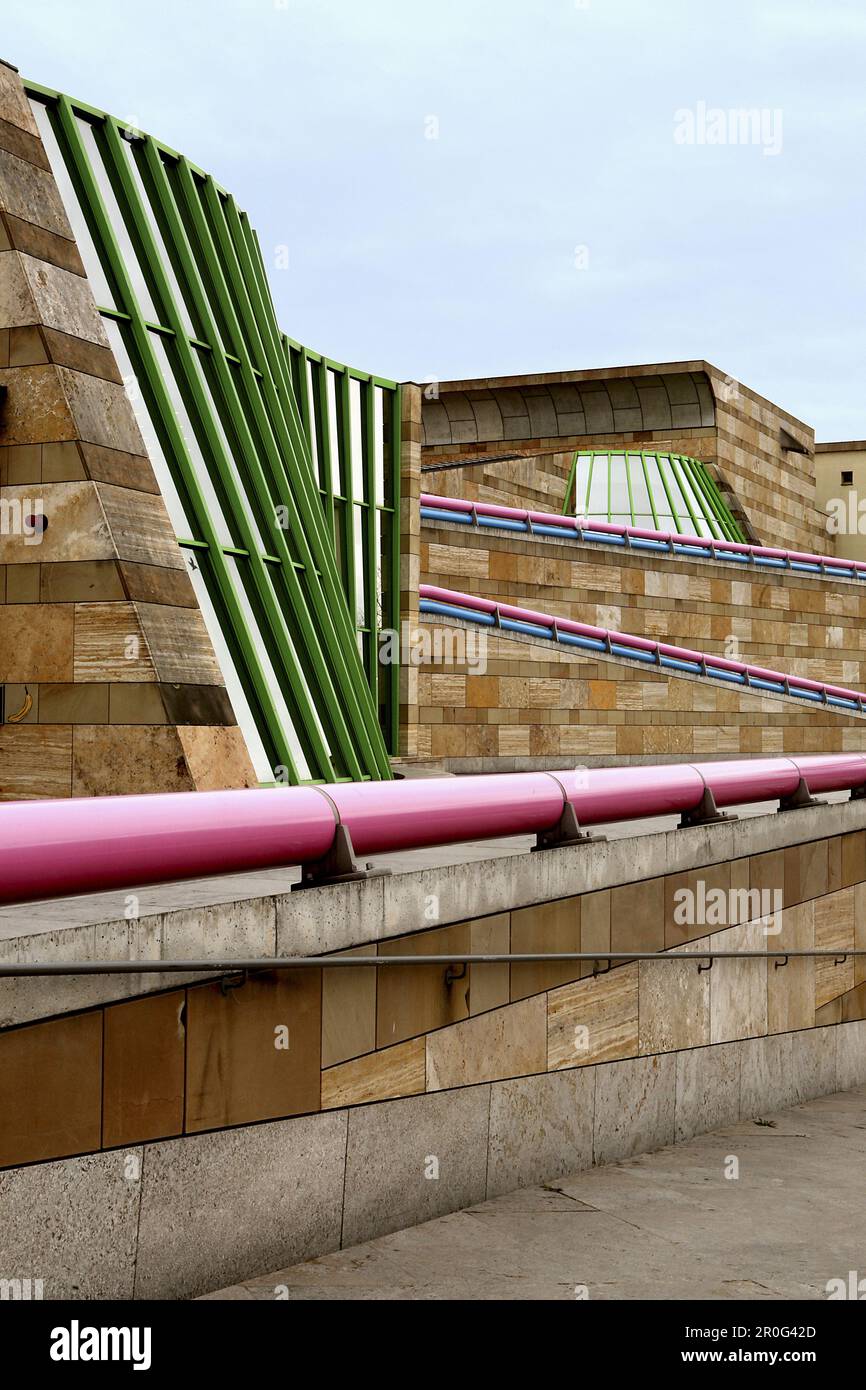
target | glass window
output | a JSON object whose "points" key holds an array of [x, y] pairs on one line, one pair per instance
{"points": [[164, 257], [357, 441], [275, 688], [196, 565], [618, 499], [212, 501], [118, 225], [182, 522]]}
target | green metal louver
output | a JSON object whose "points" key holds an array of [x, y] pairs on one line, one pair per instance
{"points": [[661, 492], [279, 467]]}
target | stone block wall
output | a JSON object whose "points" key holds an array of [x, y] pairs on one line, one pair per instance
{"points": [[508, 1075], [533, 701], [108, 677], [760, 455]]}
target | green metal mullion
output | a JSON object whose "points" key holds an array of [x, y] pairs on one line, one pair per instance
{"points": [[277, 346], [371, 552], [572, 483], [323, 417], [694, 475], [75, 155], [684, 494], [338, 704], [730, 528], [254, 417], [328, 601], [649, 490], [344, 427], [628, 485], [395, 432], [191, 387], [288, 665], [303, 393], [674, 512]]}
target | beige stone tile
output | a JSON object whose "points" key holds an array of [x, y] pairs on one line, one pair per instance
{"points": [[216, 758], [674, 1005], [110, 645], [75, 528], [806, 872], [511, 1041], [383, 1075], [489, 984], [416, 999], [348, 1010], [73, 704], [236, 1071], [553, 926], [637, 916], [22, 583], [109, 758], [50, 1089], [144, 1069], [35, 643], [791, 987], [738, 988], [834, 930], [594, 925], [594, 1020], [35, 761]]}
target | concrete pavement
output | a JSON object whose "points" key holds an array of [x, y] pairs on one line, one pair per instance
{"points": [[768, 1209]]}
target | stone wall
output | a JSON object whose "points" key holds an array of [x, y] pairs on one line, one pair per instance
{"points": [[534, 701], [757, 452], [109, 681], [506, 1075]]}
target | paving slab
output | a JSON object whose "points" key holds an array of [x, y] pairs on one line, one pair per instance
{"points": [[767, 1209]]}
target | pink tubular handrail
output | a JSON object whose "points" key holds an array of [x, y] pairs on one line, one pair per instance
{"points": [[57, 848], [456, 599], [575, 524]]}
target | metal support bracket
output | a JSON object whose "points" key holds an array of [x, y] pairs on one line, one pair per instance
{"points": [[799, 799], [233, 982], [452, 974], [566, 832], [705, 813], [702, 969], [338, 866], [859, 793]]}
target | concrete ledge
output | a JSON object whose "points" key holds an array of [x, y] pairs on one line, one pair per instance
{"points": [[274, 921]]}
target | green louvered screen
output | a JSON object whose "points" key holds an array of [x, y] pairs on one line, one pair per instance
{"points": [[660, 492], [279, 467]]}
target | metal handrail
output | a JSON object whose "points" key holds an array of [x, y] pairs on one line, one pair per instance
{"points": [[266, 963], [671, 542], [510, 617]]}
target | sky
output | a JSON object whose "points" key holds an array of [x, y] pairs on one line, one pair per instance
{"points": [[486, 187]]}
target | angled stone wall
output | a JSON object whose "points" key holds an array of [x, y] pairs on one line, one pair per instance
{"points": [[108, 676]]}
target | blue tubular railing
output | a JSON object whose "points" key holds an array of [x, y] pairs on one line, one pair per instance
{"points": [[457, 512], [565, 632]]}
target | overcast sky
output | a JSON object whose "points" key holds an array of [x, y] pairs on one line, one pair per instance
{"points": [[478, 187]]}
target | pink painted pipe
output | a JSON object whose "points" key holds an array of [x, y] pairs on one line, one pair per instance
{"points": [[626, 639], [495, 509], [57, 848]]}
